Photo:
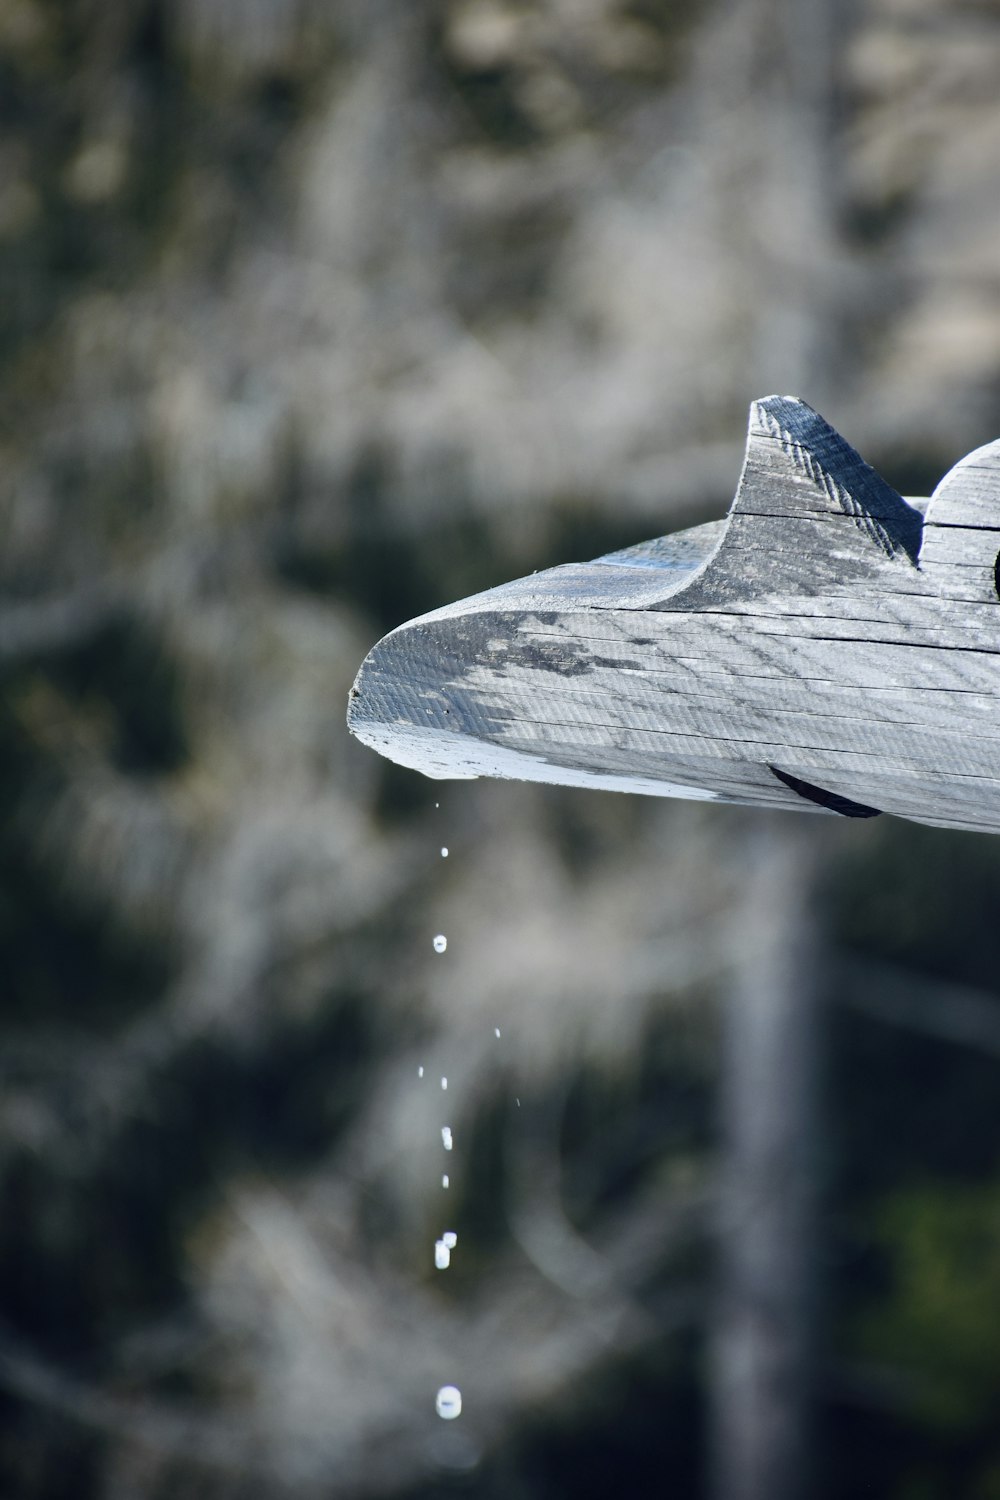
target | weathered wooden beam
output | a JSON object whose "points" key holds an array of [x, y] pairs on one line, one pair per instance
{"points": [[828, 646]]}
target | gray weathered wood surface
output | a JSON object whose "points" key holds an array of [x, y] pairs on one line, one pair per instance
{"points": [[828, 646]]}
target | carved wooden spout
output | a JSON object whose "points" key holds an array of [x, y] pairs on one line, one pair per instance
{"points": [[828, 645]]}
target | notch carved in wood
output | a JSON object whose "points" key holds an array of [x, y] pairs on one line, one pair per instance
{"points": [[829, 646]]}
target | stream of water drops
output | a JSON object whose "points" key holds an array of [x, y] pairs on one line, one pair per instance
{"points": [[448, 1401]]}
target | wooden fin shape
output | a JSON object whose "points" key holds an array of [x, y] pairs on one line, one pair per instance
{"points": [[823, 644], [808, 513], [961, 549], [795, 462]]}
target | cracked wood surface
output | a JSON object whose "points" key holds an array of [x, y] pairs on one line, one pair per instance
{"points": [[830, 646]]}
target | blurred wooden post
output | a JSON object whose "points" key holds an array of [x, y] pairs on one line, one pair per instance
{"points": [[762, 1346]]}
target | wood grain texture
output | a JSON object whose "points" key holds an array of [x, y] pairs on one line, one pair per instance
{"points": [[830, 646]]}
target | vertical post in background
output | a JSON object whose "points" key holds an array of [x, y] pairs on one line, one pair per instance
{"points": [[762, 1350], [763, 1341]]}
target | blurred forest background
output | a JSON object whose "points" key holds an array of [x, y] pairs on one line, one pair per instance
{"points": [[318, 313]]}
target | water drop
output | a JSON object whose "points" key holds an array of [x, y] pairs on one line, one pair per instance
{"points": [[446, 1181], [449, 1238], [420, 1071], [440, 943], [442, 1254], [444, 1083], [496, 1032], [444, 853], [446, 1137], [448, 1402]]}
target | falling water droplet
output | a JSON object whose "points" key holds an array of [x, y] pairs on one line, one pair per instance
{"points": [[446, 1181], [444, 853], [449, 1238], [444, 1083], [446, 1137], [448, 1402], [420, 1071], [496, 1032], [442, 1254], [440, 943]]}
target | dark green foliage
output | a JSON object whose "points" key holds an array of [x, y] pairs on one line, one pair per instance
{"points": [[125, 676], [916, 1232], [943, 1303], [928, 899], [68, 960], [634, 1427]]}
